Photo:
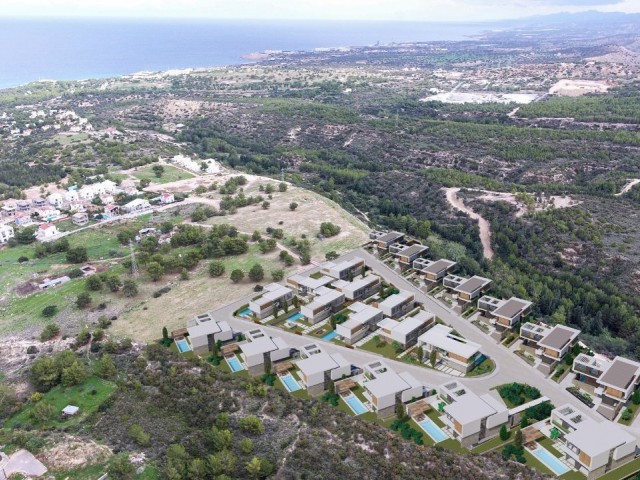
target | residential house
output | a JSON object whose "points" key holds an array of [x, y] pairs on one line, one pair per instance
{"points": [[274, 295], [398, 304], [109, 186], [72, 196], [56, 200], [80, 218], [384, 240], [468, 289], [343, 270], [135, 206], [451, 349], [327, 302], [111, 211], [408, 254], [551, 343], [23, 206], [46, 231], [6, 233], [406, 331], [593, 448], [9, 210], [86, 193], [39, 202], [260, 351], [385, 389], [470, 418], [204, 331], [22, 219], [318, 368], [504, 314], [107, 198], [304, 286], [433, 271], [359, 288], [167, 198], [362, 320]]}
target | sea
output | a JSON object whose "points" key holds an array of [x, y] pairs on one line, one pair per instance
{"points": [[77, 49]]}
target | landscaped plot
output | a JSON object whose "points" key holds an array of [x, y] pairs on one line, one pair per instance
{"points": [[432, 430], [550, 460], [170, 174]]}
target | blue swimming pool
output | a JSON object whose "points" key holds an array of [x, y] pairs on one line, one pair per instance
{"points": [[183, 345], [330, 336], [234, 364], [245, 312], [431, 429], [355, 404], [295, 317], [290, 383], [550, 460]]}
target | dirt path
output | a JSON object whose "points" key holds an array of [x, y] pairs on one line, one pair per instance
{"points": [[485, 227], [630, 184]]}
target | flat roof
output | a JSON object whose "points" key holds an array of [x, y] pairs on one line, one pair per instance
{"points": [[310, 282], [409, 324], [316, 363], [388, 237], [259, 346], [620, 373], [511, 307], [387, 383], [469, 408], [203, 325], [412, 250], [558, 337], [396, 299], [472, 284], [441, 337], [439, 266], [595, 438]]}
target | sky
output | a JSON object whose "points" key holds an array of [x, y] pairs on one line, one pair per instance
{"points": [[389, 10]]}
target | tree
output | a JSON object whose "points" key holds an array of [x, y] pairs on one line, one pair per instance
{"points": [[222, 463], [504, 433], [635, 398], [74, 375], [113, 283], [246, 446], [399, 411], [269, 188], [158, 170], [517, 440], [44, 374], [293, 206], [282, 187], [184, 274], [25, 236], [83, 300], [265, 205], [155, 271], [252, 424], [524, 422], [254, 467], [105, 368], [216, 269], [332, 255], [120, 467], [433, 357], [139, 435], [49, 311], [277, 275], [77, 255], [256, 273], [129, 288], [220, 439], [42, 411], [328, 229], [94, 283], [237, 275]]}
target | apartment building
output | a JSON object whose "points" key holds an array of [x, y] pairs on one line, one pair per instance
{"points": [[407, 330], [359, 288], [385, 388], [398, 304], [550, 344], [452, 350], [504, 314], [433, 271], [274, 294], [324, 305], [362, 320], [260, 349], [318, 368], [343, 270], [204, 331], [80, 219], [304, 286], [469, 418], [8, 210], [6, 233]]}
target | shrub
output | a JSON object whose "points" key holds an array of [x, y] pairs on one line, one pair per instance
{"points": [[237, 275], [252, 424], [216, 269], [49, 331], [256, 273], [329, 229], [49, 311], [139, 435], [83, 300], [293, 206], [23, 259]]}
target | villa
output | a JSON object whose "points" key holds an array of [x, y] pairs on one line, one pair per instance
{"points": [[9, 210], [56, 200], [23, 205], [167, 198], [398, 304], [359, 288], [204, 331], [343, 269], [470, 418], [406, 331], [71, 196], [362, 319], [550, 344], [39, 202], [384, 240], [504, 314], [260, 350], [22, 219], [264, 305], [593, 448], [304, 286], [46, 231], [467, 289], [433, 271], [406, 254], [385, 389], [6, 233], [326, 303], [451, 349], [135, 206], [80, 218], [318, 368]]}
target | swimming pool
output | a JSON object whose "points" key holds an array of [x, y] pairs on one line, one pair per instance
{"points": [[330, 336], [290, 383], [355, 404], [234, 364], [295, 317], [431, 429], [245, 312], [183, 345], [550, 460]]}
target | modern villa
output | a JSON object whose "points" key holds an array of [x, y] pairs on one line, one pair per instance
{"points": [[468, 289], [407, 330], [593, 448], [260, 349], [433, 271], [384, 388], [204, 331], [342, 270], [451, 349], [406, 254], [304, 286], [327, 302], [362, 319], [359, 288], [504, 314], [550, 344], [470, 418], [318, 368], [275, 294], [398, 304], [6, 233], [384, 240]]}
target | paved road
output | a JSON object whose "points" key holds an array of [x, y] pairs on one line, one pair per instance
{"points": [[509, 368]]}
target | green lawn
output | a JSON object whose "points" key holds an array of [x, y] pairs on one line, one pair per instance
{"points": [[635, 409], [151, 472], [171, 174], [624, 472], [381, 348], [82, 396], [484, 367], [494, 443], [548, 444], [533, 462]]}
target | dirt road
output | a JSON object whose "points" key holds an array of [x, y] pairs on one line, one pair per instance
{"points": [[630, 184], [485, 227]]}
